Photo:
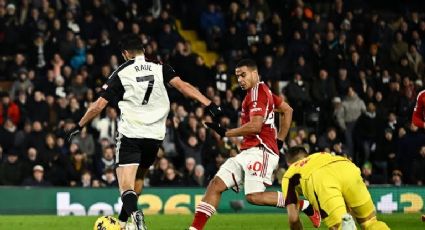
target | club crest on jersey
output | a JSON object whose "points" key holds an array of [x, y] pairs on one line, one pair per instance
{"points": [[104, 86]]}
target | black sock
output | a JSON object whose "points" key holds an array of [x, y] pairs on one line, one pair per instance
{"points": [[309, 210], [129, 201], [123, 216]]}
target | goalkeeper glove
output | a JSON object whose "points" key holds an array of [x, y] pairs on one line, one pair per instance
{"points": [[217, 128]]}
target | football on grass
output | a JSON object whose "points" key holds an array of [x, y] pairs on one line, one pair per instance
{"points": [[106, 223]]}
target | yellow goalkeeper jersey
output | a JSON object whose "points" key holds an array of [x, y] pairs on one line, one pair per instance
{"points": [[303, 169]]}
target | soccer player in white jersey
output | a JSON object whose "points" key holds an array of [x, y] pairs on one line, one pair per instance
{"points": [[139, 87]]}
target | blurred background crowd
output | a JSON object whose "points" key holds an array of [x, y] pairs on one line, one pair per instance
{"points": [[350, 69]]}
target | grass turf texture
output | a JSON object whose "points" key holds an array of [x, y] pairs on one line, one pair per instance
{"points": [[180, 222]]}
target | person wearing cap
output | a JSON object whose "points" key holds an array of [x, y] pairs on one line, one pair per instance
{"points": [[37, 178]]}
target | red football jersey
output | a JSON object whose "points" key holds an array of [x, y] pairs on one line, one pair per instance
{"points": [[418, 117], [259, 102]]}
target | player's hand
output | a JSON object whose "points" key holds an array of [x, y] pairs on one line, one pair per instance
{"points": [[279, 144], [72, 132], [214, 111], [217, 128]]}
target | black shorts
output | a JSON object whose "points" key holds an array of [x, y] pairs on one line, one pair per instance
{"points": [[141, 151]]}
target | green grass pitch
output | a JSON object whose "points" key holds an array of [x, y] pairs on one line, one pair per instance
{"points": [[180, 222]]}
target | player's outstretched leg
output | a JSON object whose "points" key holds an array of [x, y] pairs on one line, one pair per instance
{"points": [[276, 199], [129, 200], [209, 203]]}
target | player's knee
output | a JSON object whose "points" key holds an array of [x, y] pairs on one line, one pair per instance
{"points": [[216, 185]]}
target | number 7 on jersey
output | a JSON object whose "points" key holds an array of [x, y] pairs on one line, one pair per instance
{"points": [[151, 80]]}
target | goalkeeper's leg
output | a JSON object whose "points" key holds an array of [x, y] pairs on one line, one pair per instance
{"points": [[366, 217]]}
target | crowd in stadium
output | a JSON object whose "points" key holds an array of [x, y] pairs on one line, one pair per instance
{"points": [[350, 74]]}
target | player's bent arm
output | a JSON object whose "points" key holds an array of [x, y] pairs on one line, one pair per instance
{"points": [[285, 120], [252, 127], [93, 110], [189, 91]]}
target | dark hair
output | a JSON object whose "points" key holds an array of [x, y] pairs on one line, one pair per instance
{"points": [[130, 42], [292, 153], [248, 63]]}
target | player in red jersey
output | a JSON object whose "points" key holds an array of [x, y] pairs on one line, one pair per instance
{"points": [[253, 166], [418, 117]]}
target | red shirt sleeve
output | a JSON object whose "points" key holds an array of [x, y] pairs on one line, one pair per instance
{"points": [[259, 101], [277, 100], [418, 112]]}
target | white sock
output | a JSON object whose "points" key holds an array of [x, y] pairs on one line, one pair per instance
{"points": [[122, 224], [305, 205], [206, 208], [280, 201]]}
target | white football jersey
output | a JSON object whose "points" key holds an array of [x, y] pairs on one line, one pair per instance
{"points": [[138, 86]]}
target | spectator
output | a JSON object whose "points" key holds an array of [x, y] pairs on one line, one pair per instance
{"points": [[79, 167], [415, 61], [37, 179], [418, 170], [9, 109], [189, 173], [85, 181], [109, 179], [299, 97], [322, 91], [366, 131], [211, 22], [11, 169], [78, 87], [328, 139], [398, 48], [397, 178], [368, 176], [157, 175], [30, 160], [199, 175], [353, 107], [167, 39], [85, 142], [21, 84], [107, 161], [38, 110], [107, 126], [7, 135], [385, 155], [171, 179]]}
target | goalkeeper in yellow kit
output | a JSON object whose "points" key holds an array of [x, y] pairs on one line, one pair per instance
{"points": [[333, 185]]}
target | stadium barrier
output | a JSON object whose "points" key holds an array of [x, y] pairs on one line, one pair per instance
{"points": [[96, 201]]}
